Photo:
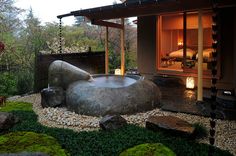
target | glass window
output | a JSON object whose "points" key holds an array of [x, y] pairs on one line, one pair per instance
{"points": [[171, 41], [172, 53]]}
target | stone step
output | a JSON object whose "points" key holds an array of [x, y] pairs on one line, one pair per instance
{"points": [[169, 123]]}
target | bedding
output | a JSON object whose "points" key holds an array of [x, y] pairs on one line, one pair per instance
{"points": [[207, 54], [190, 54]]}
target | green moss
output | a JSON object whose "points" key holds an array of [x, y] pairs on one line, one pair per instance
{"points": [[155, 149], [16, 106], [30, 142]]}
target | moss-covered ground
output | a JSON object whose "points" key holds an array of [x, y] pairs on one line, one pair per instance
{"points": [[155, 149], [16, 142], [109, 143], [16, 106]]}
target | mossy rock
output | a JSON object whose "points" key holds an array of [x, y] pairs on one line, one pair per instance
{"points": [[156, 149], [17, 142]]}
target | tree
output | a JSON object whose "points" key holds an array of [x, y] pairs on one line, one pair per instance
{"points": [[32, 41], [9, 27]]}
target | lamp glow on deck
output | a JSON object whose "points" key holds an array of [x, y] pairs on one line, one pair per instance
{"points": [[190, 83], [117, 72]]}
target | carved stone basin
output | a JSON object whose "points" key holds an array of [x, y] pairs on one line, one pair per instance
{"points": [[111, 94], [99, 95]]}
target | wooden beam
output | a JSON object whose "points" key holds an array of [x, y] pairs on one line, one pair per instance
{"points": [[106, 53], [122, 47], [200, 57], [107, 24]]}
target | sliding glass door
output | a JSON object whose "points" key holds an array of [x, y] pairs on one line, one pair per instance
{"points": [[178, 42]]}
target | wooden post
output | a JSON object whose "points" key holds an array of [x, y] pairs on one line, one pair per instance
{"points": [[122, 47], [184, 39], [106, 53], [200, 57]]}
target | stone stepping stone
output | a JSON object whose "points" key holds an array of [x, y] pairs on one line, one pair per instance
{"points": [[7, 120], [169, 123], [112, 122]]}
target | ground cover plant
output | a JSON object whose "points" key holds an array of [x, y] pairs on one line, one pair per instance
{"points": [[108, 143]]}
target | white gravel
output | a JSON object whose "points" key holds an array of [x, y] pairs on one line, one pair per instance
{"points": [[62, 118]]}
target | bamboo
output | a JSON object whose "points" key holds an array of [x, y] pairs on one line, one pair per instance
{"points": [[200, 57], [122, 48], [106, 53]]}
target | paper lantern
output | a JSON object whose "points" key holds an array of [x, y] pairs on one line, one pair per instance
{"points": [[190, 83], [117, 72]]}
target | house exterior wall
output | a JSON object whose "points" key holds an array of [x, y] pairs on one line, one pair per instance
{"points": [[227, 48], [147, 49], [147, 45], [234, 51]]}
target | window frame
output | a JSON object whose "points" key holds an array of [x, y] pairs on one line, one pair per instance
{"points": [[184, 71]]}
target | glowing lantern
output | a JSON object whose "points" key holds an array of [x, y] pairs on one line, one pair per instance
{"points": [[117, 72], [190, 83]]}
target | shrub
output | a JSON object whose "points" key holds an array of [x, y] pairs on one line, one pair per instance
{"points": [[25, 82], [7, 84]]}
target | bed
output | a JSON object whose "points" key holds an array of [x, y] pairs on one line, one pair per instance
{"points": [[178, 54], [207, 55]]}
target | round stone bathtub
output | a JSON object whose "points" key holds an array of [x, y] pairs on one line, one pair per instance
{"points": [[112, 94]]}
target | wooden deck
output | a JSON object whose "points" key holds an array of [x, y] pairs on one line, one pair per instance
{"points": [[176, 98]]}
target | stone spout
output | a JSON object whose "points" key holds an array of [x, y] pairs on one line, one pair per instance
{"points": [[62, 74]]}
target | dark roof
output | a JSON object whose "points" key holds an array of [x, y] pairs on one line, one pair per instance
{"points": [[133, 8], [130, 1]]}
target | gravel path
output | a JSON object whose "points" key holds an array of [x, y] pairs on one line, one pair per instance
{"points": [[61, 118]]}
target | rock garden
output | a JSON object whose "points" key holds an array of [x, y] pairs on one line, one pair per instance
{"points": [[35, 130]]}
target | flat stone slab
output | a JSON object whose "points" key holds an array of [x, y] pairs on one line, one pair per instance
{"points": [[112, 122], [169, 123]]}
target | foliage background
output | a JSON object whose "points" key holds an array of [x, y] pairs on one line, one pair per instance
{"points": [[25, 38]]}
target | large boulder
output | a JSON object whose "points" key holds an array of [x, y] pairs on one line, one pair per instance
{"points": [[52, 97], [7, 120], [99, 99], [112, 122], [155, 149], [62, 74], [169, 123]]}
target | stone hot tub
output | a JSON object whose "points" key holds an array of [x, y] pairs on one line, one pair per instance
{"points": [[99, 95]]}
